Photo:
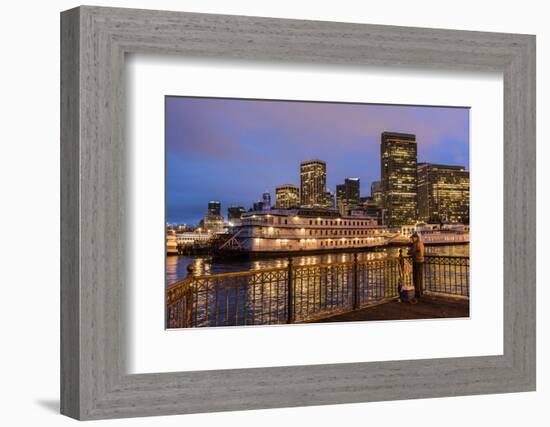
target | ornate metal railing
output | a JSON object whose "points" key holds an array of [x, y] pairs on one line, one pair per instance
{"points": [[447, 275], [320, 290], [243, 298], [300, 293]]}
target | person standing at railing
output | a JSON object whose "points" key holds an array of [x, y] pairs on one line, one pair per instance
{"points": [[405, 289], [417, 253]]}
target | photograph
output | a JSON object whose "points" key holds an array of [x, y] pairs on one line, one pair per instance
{"points": [[289, 212]]}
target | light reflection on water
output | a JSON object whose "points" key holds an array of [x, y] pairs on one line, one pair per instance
{"points": [[176, 266]]}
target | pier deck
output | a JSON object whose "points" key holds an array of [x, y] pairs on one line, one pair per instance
{"points": [[428, 307]]}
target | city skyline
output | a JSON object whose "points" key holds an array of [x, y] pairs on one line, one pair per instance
{"points": [[206, 138]]}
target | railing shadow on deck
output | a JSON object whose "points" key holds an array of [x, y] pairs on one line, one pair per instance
{"points": [[303, 293]]}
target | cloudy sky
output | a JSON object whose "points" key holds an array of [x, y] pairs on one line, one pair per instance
{"points": [[233, 150]]}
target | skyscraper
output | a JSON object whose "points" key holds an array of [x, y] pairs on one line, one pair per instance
{"points": [[266, 201], [340, 196], [234, 214], [329, 200], [376, 192], [213, 220], [287, 196], [313, 183], [214, 207], [347, 195], [443, 193], [399, 179]]}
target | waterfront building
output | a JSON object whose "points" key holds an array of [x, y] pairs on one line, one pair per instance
{"points": [[398, 153], [258, 206], [371, 207], [213, 223], [313, 183], [287, 196], [234, 214], [443, 193], [347, 195], [307, 230]]}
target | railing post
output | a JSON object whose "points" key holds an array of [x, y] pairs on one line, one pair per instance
{"points": [[401, 276], [169, 313], [188, 317], [290, 293], [356, 297]]}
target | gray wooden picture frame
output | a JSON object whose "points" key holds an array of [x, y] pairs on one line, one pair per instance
{"points": [[94, 381]]}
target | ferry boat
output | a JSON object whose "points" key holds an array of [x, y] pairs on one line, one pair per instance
{"points": [[435, 234], [294, 230]]}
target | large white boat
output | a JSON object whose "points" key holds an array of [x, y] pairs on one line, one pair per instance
{"points": [[171, 242], [435, 234], [178, 241], [290, 230]]}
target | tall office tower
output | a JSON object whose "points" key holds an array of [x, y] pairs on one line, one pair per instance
{"points": [[266, 201], [313, 183], [287, 196], [443, 193], [347, 195], [376, 192], [213, 220], [340, 197], [399, 179], [214, 207], [234, 214]]}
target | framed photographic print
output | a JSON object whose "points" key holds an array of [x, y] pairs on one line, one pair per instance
{"points": [[349, 208], [309, 253]]}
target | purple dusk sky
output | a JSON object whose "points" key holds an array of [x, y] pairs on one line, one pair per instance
{"points": [[234, 150]]}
